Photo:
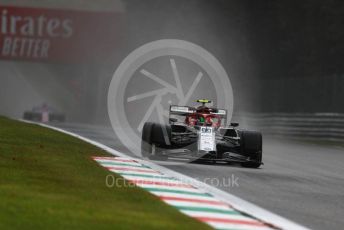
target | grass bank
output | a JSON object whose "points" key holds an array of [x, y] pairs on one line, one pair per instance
{"points": [[49, 181]]}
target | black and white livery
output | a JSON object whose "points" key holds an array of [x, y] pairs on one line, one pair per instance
{"points": [[201, 134]]}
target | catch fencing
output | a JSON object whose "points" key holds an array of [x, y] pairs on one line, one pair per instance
{"points": [[311, 126]]}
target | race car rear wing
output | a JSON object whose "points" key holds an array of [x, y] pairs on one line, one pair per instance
{"points": [[181, 110], [220, 112], [185, 110]]}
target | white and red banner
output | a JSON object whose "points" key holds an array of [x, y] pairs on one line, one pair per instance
{"points": [[54, 35]]}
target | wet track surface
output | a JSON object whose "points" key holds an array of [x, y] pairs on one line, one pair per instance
{"points": [[302, 182]]}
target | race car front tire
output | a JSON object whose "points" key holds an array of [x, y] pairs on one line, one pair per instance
{"points": [[146, 142], [151, 141], [252, 146]]}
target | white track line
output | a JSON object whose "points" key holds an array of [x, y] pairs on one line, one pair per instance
{"points": [[234, 201]]}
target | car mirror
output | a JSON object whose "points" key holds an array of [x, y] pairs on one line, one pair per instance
{"points": [[234, 124]]}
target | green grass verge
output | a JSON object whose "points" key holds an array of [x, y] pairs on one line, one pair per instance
{"points": [[49, 181]]}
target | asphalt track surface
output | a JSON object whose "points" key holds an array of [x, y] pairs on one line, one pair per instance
{"points": [[302, 182]]}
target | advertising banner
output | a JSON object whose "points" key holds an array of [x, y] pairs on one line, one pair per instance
{"points": [[57, 35]]}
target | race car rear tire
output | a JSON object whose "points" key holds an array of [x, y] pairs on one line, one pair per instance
{"points": [[150, 141], [252, 146]]}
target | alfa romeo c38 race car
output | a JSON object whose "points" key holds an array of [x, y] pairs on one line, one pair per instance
{"points": [[201, 134]]}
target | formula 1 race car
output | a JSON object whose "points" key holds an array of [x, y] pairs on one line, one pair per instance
{"points": [[44, 113], [201, 134]]}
